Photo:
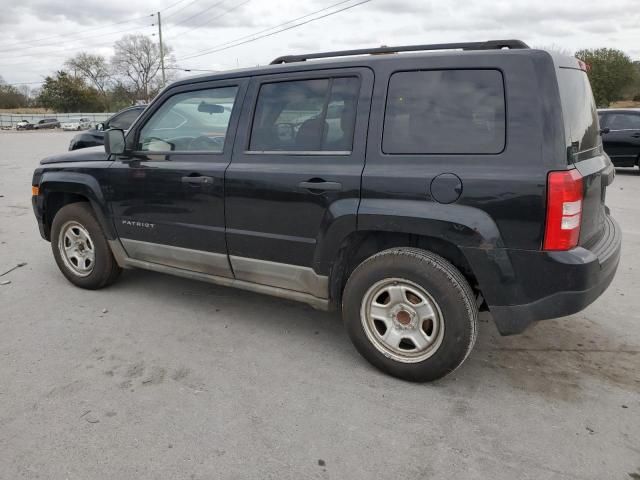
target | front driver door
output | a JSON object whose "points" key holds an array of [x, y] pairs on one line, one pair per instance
{"points": [[168, 194]]}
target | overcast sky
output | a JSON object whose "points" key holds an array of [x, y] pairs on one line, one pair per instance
{"points": [[38, 35]]}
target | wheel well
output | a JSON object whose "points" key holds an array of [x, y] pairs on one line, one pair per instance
{"points": [[53, 202], [361, 245]]}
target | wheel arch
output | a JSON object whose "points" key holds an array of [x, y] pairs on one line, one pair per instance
{"points": [[362, 244], [58, 189]]}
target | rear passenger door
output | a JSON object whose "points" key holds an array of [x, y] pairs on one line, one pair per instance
{"points": [[294, 179]]}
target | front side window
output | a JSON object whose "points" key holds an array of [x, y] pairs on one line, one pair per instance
{"points": [[190, 122], [306, 115], [445, 112], [624, 121]]}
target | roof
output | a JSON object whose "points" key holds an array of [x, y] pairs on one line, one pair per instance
{"points": [[364, 57], [626, 109]]}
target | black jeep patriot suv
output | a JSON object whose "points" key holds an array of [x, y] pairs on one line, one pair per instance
{"points": [[407, 187]]}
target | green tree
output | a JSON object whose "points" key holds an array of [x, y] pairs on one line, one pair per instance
{"points": [[95, 70], [610, 72], [11, 97], [66, 93]]}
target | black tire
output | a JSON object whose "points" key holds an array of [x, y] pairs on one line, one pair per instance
{"points": [[443, 283], [104, 270]]}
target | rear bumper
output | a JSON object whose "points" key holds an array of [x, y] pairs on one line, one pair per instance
{"points": [[541, 285]]}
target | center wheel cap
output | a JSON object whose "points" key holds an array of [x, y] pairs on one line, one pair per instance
{"points": [[403, 317]]}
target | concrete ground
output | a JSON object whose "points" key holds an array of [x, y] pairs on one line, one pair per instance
{"points": [[160, 377]]}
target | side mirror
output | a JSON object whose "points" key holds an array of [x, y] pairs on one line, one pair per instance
{"points": [[605, 130], [114, 141], [100, 127]]}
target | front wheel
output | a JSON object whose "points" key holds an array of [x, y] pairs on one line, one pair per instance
{"points": [[410, 313], [81, 249]]}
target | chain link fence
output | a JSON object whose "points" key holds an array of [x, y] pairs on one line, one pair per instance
{"points": [[9, 120]]}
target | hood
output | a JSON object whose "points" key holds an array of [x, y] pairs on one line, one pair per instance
{"points": [[91, 154]]}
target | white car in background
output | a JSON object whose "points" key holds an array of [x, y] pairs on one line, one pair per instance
{"points": [[76, 124]]}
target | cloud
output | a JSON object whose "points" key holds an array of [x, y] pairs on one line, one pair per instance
{"points": [[570, 25]]}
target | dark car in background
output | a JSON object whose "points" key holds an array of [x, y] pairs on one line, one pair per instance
{"points": [[47, 123], [95, 136], [621, 135]]}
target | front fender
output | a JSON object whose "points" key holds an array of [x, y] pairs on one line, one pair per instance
{"points": [[81, 184]]}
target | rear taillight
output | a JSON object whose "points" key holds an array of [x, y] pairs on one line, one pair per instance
{"points": [[564, 210]]}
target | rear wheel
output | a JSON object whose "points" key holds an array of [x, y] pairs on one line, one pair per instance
{"points": [[81, 249], [410, 313]]}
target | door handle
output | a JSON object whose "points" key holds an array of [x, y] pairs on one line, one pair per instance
{"points": [[320, 185], [199, 180], [636, 135]]}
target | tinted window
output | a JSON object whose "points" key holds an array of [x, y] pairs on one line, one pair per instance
{"points": [[190, 121], [578, 109], [445, 111], [125, 119], [306, 115], [624, 121]]}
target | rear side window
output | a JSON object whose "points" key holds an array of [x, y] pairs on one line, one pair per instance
{"points": [[306, 115], [578, 110], [445, 112]]}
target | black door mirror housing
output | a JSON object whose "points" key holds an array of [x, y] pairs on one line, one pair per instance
{"points": [[100, 127], [114, 141]]}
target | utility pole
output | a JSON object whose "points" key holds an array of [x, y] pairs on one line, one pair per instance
{"points": [[164, 79]]}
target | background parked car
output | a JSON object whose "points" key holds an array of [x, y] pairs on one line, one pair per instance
{"points": [[47, 123], [24, 125], [76, 124], [95, 136], [621, 135]]}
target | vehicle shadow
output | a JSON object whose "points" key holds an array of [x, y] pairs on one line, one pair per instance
{"points": [[553, 358]]}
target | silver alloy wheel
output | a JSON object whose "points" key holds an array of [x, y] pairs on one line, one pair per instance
{"points": [[402, 320], [76, 249]]}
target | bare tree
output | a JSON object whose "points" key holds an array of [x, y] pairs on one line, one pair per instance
{"points": [[95, 70], [137, 59]]}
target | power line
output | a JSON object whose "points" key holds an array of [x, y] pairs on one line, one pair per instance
{"points": [[277, 26], [28, 42], [215, 49], [21, 83], [75, 34], [99, 35], [199, 13], [214, 18], [53, 53], [181, 9], [173, 5]]}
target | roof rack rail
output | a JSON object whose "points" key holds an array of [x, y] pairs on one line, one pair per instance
{"points": [[488, 45]]}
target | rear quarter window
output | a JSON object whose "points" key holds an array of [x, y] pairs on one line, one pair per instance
{"points": [[445, 112], [578, 110]]}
